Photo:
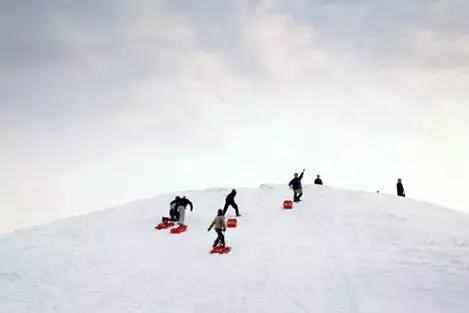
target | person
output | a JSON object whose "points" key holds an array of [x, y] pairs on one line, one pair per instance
{"points": [[181, 207], [318, 180], [229, 200], [400, 188], [220, 227], [295, 184], [173, 212], [186, 202]]}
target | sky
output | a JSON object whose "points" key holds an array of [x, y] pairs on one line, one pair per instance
{"points": [[105, 102]]}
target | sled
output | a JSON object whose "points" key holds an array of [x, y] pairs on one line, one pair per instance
{"points": [[288, 204], [179, 229], [220, 250], [161, 226], [232, 223]]}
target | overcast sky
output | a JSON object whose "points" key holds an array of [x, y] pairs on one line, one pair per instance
{"points": [[104, 102]]}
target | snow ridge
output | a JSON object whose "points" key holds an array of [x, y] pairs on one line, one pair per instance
{"points": [[337, 251]]}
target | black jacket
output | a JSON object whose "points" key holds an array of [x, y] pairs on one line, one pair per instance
{"points": [[400, 189], [230, 197], [318, 181], [185, 202], [295, 183], [174, 203]]}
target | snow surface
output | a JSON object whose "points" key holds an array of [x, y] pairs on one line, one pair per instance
{"points": [[337, 251]]}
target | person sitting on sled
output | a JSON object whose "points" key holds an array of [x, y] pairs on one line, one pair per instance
{"points": [[220, 227]]}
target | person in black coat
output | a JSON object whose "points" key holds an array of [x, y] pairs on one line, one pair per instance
{"points": [[186, 202], [181, 207], [295, 184], [318, 180], [229, 200], [173, 211], [400, 188]]}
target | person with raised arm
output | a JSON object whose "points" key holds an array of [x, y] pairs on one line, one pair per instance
{"points": [[297, 187]]}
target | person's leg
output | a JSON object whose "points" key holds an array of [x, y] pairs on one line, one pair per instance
{"points": [[182, 215], [225, 208], [172, 214], [215, 243], [235, 206], [222, 238]]}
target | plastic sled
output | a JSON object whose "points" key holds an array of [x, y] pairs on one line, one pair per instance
{"points": [[232, 223], [288, 204], [161, 226], [220, 250], [179, 229]]}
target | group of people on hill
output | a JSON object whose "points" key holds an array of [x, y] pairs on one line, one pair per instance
{"points": [[177, 211], [297, 187], [179, 205]]}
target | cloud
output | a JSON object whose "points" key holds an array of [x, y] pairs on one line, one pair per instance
{"points": [[285, 49]]}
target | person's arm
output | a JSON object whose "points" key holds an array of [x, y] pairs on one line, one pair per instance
{"points": [[290, 184], [190, 203], [211, 225], [301, 175]]}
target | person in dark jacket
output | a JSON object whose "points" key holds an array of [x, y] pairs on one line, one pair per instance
{"points": [[318, 180], [229, 200], [186, 202], [173, 212], [220, 227], [400, 188], [181, 207], [295, 184]]}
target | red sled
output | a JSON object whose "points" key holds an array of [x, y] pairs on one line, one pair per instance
{"points": [[161, 226], [220, 250], [179, 229], [232, 223], [288, 204]]}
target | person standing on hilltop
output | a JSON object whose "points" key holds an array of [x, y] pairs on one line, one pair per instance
{"points": [[229, 200], [400, 188], [318, 180], [295, 184]]}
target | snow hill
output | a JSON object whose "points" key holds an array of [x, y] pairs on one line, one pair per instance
{"points": [[337, 251]]}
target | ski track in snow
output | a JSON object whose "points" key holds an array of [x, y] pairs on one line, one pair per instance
{"points": [[336, 251]]}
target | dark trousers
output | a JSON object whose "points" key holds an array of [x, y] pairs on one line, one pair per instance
{"points": [[174, 214], [297, 195], [233, 204], [220, 238]]}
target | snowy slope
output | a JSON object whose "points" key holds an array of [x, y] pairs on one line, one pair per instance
{"points": [[338, 251]]}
